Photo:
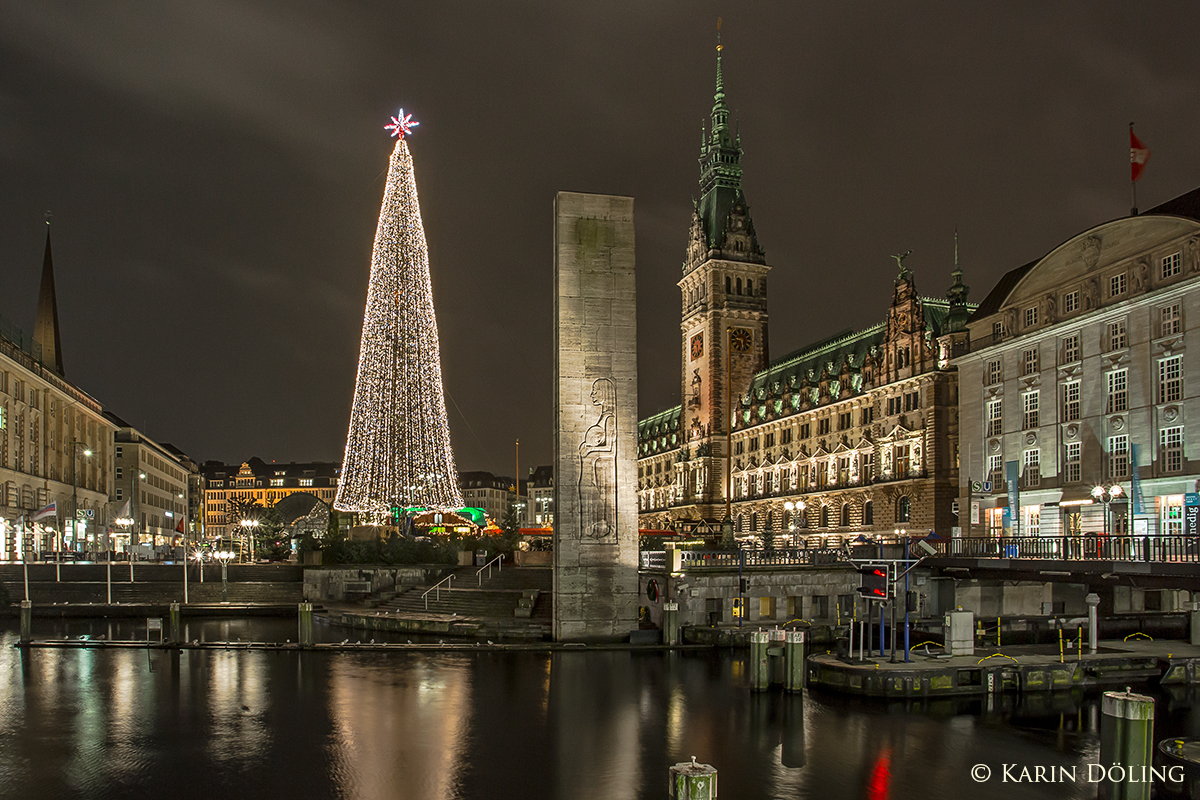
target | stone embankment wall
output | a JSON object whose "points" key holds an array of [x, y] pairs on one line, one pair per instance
{"points": [[347, 584], [773, 597]]}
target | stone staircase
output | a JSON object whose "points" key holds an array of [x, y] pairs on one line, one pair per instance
{"points": [[513, 604]]}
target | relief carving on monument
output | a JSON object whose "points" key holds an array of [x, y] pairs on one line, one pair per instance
{"points": [[598, 465]]}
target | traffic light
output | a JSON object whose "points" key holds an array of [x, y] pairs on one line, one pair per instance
{"points": [[873, 582], [743, 585], [396, 515]]}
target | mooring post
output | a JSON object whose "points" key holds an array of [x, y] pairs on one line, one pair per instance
{"points": [[760, 666], [1126, 746], [176, 632], [306, 625], [793, 661], [692, 781], [1093, 602], [670, 624], [26, 621], [1195, 631]]}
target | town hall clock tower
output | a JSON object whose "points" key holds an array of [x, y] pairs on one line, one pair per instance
{"points": [[724, 322]]}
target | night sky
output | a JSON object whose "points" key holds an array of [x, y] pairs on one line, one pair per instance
{"points": [[215, 172]]}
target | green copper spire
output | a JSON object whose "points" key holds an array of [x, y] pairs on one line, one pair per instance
{"points": [[723, 208], [956, 320]]}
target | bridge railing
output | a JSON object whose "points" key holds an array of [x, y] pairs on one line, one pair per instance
{"points": [[1159, 549], [1163, 549], [725, 559]]}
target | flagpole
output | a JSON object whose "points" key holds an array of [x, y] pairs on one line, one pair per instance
{"points": [[1133, 210]]}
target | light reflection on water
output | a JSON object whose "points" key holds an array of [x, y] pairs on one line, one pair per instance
{"points": [[442, 726]]}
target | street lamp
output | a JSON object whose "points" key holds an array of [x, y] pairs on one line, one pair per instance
{"points": [[223, 556], [75, 488], [1106, 494], [248, 524], [135, 533], [792, 508], [125, 522]]}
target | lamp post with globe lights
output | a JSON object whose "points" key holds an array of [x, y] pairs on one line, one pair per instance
{"points": [[127, 522], [1107, 494], [250, 527], [223, 556], [792, 508]]}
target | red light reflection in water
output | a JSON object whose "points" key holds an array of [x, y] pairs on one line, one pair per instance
{"points": [[881, 777]]}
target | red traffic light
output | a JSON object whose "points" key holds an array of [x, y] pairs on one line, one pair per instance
{"points": [[873, 582]]}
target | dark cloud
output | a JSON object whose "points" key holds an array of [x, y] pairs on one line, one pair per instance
{"points": [[215, 172]]}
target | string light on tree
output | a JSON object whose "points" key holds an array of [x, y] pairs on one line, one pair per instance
{"points": [[398, 447]]}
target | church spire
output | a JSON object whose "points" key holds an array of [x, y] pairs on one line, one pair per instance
{"points": [[45, 326]]}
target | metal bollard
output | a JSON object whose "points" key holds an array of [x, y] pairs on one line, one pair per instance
{"points": [[26, 622], [760, 662], [1126, 746], [794, 668], [776, 655], [692, 781], [670, 624], [306, 625], [1092, 600], [176, 632]]}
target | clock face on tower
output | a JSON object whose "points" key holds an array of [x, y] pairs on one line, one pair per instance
{"points": [[697, 346], [740, 340]]}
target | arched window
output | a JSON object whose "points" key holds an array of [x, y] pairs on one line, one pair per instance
{"points": [[770, 521], [728, 281], [802, 519], [749, 287], [740, 522], [739, 285], [824, 516], [869, 512], [903, 509], [845, 515], [754, 522]]}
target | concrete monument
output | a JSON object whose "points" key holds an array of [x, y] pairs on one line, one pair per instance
{"points": [[595, 413]]}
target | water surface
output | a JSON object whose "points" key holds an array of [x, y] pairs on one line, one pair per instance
{"points": [[434, 726]]}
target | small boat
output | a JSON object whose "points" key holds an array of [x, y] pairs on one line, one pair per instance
{"points": [[1180, 755]]}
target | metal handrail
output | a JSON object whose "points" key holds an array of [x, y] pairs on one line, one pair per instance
{"points": [[436, 588], [488, 567]]}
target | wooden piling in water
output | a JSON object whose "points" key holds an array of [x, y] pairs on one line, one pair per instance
{"points": [[1126, 746]]}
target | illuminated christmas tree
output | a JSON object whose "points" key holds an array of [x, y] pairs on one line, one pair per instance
{"points": [[398, 448]]}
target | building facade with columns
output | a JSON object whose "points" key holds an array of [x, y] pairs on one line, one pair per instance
{"points": [[1079, 378], [55, 443], [856, 433]]}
